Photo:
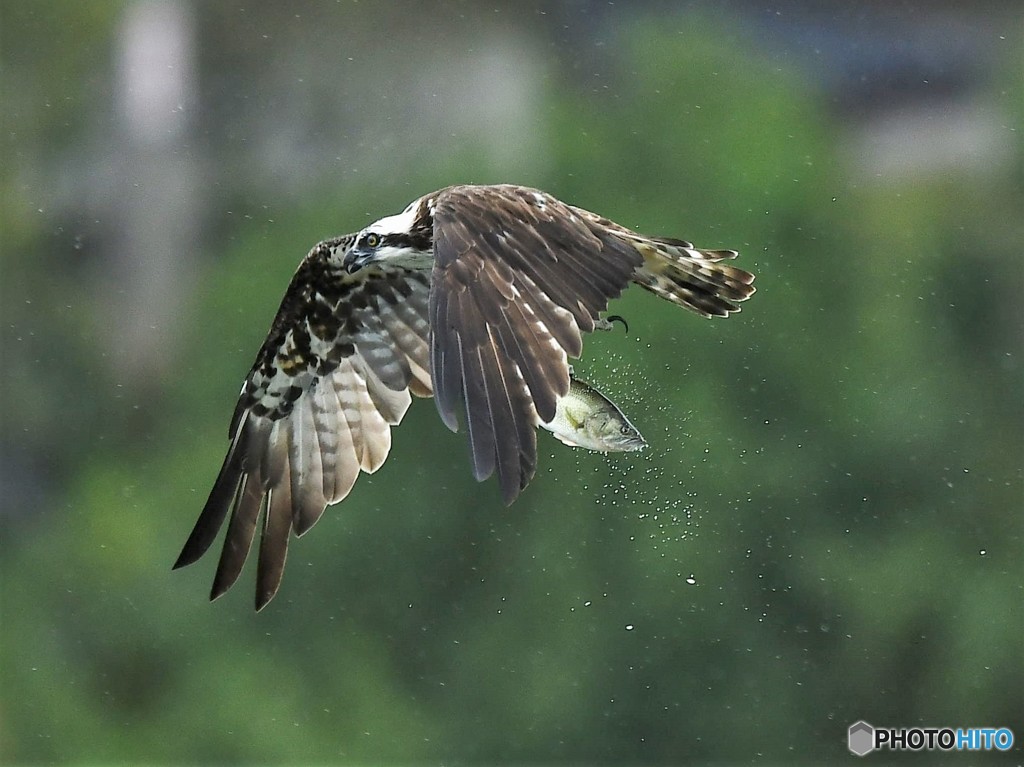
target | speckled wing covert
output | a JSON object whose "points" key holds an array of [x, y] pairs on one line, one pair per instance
{"points": [[335, 374]]}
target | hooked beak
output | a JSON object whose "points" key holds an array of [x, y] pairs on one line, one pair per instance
{"points": [[356, 259]]}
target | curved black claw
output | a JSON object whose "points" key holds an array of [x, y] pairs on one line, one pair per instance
{"points": [[611, 318]]}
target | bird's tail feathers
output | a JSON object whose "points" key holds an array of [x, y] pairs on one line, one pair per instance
{"points": [[693, 278]]}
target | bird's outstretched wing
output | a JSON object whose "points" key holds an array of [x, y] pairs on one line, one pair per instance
{"points": [[518, 275], [332, 378]]}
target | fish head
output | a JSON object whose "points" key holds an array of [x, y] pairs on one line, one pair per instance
{"points": [[613, 432]]}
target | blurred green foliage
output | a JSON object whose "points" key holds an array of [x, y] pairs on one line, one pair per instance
{"points": [[827, 525]]}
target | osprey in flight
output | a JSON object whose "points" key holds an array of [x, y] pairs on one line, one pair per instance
{"points": [[477, 295]]}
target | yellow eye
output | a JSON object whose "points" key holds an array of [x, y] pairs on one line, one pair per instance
{"points": [[371, 240]]}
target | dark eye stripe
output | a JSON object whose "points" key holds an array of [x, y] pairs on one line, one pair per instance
{"points": [[417, 240]]}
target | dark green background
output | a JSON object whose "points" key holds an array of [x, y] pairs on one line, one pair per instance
{"points": [[827, 524]]}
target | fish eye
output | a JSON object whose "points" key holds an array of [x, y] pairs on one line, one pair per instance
{"points": [[372, 240], [625, 430]]}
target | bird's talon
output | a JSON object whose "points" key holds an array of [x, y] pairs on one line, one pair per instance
{"points": [[608, 323]]}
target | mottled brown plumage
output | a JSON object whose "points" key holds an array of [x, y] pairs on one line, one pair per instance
{"points": [[335, 373], [476, 294]]}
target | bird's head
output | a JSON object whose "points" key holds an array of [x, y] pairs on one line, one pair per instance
{"points": [[364, 250], [405, 239]]}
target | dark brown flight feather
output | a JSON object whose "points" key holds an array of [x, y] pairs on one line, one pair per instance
{"points": [[517, 276]]}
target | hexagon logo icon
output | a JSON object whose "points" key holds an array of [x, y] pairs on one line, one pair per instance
{"points": [[860, 738]]}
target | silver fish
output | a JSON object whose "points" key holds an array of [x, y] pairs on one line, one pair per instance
{"points": [[586, 418]]}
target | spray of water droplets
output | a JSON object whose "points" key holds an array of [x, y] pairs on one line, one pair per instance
{"points": [[650, 485]]}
